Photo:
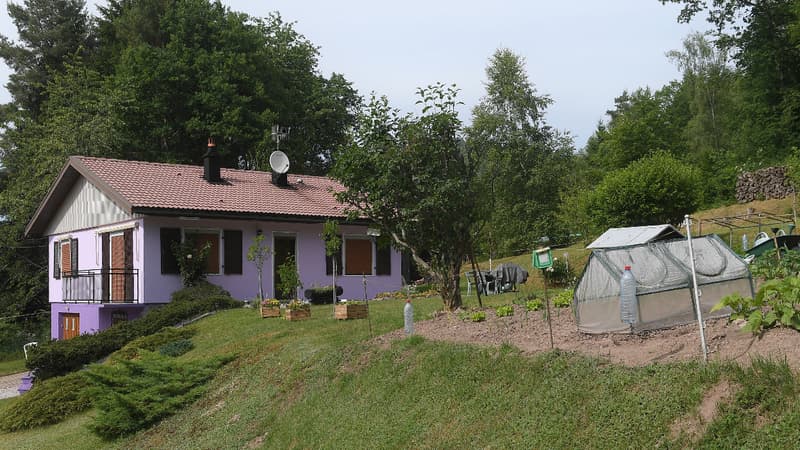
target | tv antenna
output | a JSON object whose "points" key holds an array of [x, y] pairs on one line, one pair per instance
{"points": [[280, 133]]}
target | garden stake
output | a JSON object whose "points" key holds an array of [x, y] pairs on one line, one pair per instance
{"points": [[366, 302], [547, 302]]}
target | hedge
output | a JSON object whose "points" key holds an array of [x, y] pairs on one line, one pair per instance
{"points": [[56, 358]]}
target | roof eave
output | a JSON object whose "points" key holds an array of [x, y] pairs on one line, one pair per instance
{"points": [[244, 215]]}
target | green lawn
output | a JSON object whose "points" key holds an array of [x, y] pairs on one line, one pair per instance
{"points": [[12, 366], [324, 384]]}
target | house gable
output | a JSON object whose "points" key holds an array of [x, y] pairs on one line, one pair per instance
{"points": [[84, 207]]}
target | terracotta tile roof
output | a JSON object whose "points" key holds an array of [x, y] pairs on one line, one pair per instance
{"points": [[146, 185]]}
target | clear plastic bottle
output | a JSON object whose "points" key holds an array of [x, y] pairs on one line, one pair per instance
{"points": [[408, 315], [628, 303]]}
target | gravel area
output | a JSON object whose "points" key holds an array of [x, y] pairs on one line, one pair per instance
{"points": [[9, 385]]}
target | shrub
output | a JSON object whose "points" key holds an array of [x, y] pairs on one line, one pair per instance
{"points": [[132, 395], [563, 299], [55, 358], [155, 341], [49, 402], [191, 261], [322, 295], [199, 291], [560, 273], [505, 310], [176, 348], [473, 316]]}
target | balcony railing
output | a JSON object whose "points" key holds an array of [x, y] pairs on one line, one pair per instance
{"points": [[100, 286]]}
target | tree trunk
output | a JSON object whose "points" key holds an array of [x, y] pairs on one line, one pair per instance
{"points": [[450, 288]]}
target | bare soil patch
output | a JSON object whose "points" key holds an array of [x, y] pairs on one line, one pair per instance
{"points": [[529, 332], [694, 425]]}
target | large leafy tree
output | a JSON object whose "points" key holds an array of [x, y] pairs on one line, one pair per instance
{"points": [[414, 178], [50, 33], [522, 159]]}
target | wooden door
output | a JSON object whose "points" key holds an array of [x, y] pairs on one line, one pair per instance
{"points": [[70, 325], [117, 266]]}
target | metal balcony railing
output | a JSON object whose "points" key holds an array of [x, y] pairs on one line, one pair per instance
{"points": [[100, 286]]}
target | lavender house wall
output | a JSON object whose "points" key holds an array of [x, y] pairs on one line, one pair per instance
{"points": [[310, 252]]}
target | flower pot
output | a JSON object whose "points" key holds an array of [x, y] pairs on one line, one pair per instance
{"points": [[345, 311], [270, 311], [297, 314]]}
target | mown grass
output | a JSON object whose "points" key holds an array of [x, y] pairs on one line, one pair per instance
{"points": [[324, 384], [12, 366]]}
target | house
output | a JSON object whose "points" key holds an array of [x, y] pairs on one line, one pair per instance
{"points": [[111, 224]]}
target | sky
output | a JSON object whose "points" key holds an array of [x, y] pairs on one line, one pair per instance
{"points": [[581, 53]]}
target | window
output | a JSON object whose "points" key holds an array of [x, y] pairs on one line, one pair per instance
{"points": [[225, 247], [201, 238], [65, 258], [357, 256]]}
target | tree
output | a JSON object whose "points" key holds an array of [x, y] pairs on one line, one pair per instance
{"points": [[50, 33], [413, 177], [333, 245], [257, 253], [522, 159], [654, 190]]}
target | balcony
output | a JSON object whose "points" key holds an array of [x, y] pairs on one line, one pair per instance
{"points": [[100, 286]]}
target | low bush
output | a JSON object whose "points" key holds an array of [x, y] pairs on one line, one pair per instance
{"points": [[50, 401], [768, 267], [199, 291], [775, 304], [55, 358], [473, 316], [132, 395], [155, 342], [560, 274], [505, 310], [322, 295], [176, 348]]}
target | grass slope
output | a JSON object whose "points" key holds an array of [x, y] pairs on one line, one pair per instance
{"points": [[323, 384]]}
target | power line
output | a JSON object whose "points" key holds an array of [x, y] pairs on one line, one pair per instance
{"points": [[44, 311]]}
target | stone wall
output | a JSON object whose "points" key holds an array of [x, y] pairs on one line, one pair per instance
{"points": [[763, 184]]}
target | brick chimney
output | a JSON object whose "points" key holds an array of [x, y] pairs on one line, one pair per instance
{"points": [[211, 163]]}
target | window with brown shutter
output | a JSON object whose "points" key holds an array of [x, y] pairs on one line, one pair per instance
{"points": [[358, 256], [201, 239], [66, 259]]}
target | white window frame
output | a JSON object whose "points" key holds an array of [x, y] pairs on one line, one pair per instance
{"points": [[220, 246]]}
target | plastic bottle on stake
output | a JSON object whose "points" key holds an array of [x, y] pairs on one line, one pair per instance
{"points": [[408, 315], [628, 303]]}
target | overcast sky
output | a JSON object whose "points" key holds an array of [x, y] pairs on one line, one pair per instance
{"points": [[582, 53]]}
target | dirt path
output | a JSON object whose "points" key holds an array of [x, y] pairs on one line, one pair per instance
{"points": [[530, 334], [9, 385]]}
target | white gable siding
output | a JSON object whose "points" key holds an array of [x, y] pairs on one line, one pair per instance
{"points": [[85, 207]]}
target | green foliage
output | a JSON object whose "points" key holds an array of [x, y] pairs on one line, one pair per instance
{"points": [[768, 267], [257, 253], [534, 305], [331, 235], [522, 164], [60, 357], [297, 305], [564, 299], [50, 401], [154, 342], [414, 179], [176, 348], [505, 310], [199, 291], [131, 395], [560, 273], [322, 295], [288, 278], [656, 189], [473, 316], [775, 304], [191, 261]]}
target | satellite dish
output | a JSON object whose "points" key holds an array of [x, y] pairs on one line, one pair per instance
{"points": [[279, 162]]}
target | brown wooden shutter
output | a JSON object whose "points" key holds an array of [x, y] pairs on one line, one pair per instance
{"points": [[127, 237], [383, 258], [169, 264], [358, 257], [233, 252], [73, 248], [57, 260]]}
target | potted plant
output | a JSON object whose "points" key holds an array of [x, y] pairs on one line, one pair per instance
{"points": [[270, 307], [297, 310], [351, 310]]}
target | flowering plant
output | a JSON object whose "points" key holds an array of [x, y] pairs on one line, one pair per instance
{"points": [[270, 302], [296, 305]]}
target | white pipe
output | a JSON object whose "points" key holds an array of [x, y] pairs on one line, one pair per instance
{"points": [[696, 290]]}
